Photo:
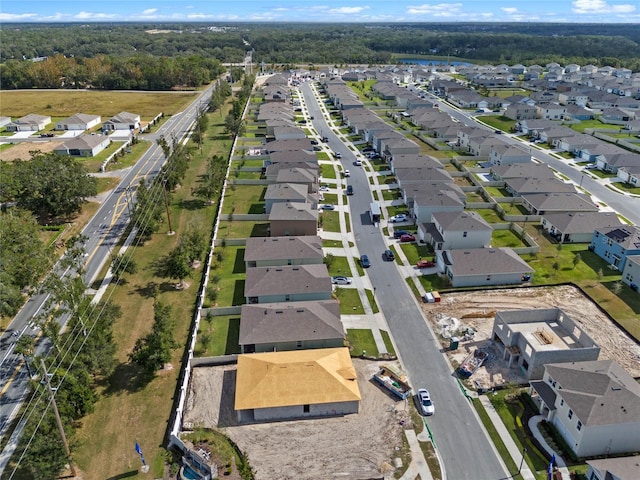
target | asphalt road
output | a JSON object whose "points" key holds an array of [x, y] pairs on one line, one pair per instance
{"points": [[103, 232], [462, 442]]}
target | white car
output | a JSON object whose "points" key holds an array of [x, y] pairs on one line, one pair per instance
{"points": [[424, 403], [401, 217], [358, 163], [324, 188], [347, 173], [341, 280]]}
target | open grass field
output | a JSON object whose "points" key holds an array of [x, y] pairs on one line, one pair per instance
{"points": [[64, 103], [104, 449], [244, 199]]}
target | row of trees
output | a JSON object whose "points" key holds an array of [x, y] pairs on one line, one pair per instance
{"points": [[111, 72], [182, 56]]}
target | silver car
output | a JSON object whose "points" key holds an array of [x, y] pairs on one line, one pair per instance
{"points": [[424, 403]]}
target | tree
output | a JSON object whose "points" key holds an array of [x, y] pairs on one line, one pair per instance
{"points": [[555, 266], [576, 260], [194, 242], [329, 259], [148, 208], [121, 264], [154, 350], [25, 347], [617, 287], [176, 264], [52, 186], [234, 125]]}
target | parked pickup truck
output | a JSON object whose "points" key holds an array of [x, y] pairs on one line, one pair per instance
{"points": [[393, 380]]}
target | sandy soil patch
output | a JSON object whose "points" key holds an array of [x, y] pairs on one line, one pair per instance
{"points": [[350, 447], [21, 150], [475, 310]]}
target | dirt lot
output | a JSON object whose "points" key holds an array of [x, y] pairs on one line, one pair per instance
{"points": [[350, 447], [357, 446], [470, 309], [21, 150]]}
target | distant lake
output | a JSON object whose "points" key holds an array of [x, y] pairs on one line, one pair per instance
{"points": [[433, 61]]}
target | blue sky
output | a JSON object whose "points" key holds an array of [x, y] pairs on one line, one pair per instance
{"points": [[221, 11]]}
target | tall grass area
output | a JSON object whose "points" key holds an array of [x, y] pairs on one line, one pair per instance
{"points": [[130, 411]]}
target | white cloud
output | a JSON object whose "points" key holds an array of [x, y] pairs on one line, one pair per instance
{"points": [[439, 10], [149, 11], [15, 17], [347, 10], [509, 9], [94, 16], [600, 6]]}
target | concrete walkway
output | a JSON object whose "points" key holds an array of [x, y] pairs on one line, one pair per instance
{"points": [[533, 426], [418, 465]]}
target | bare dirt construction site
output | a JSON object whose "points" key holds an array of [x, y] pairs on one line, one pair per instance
{"points": [[21, 150], [476, 310], [350, 447]]}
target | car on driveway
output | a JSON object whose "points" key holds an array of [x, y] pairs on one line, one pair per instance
{"points": [[424, 404], [401, 217], [388, 255], [591, 166], [324, 188], [364, 261], [425, 264], [398, 233], [341, 280], [328, 206], [407, 237]]}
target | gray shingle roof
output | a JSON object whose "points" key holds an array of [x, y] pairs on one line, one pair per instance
{"points": [[262, 281], [486, 261], [283, 248]]}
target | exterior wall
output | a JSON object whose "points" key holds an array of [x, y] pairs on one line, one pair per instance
{"points": [[479, 280], [457, 240], [610, 251], [423, 213], [283, 228], [285, 262], [304, 345], [631, 273], [297, 411], [537, 359], [298, 297]]}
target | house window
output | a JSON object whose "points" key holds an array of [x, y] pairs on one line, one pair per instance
{"points": [[570, 415], [525, 364], [464, 234], [305, 409], [579, 426], [299, 344], [561, 402]]}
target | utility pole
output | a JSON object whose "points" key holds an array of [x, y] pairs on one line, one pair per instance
{"points": [[166, 204], [52, 399]]}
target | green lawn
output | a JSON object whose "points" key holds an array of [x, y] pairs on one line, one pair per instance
{"points": [[499, 122], [415, 251], [243, 199], [242, 229], [330, 221], [362, 340], [327, 171], [372, 300], [330, 198], [626, 187], [349, 299], [433, 282], [584, 124], [218, 336], [505, 238], [340, 267], [387, 342], [227, 277], [391, 194]]}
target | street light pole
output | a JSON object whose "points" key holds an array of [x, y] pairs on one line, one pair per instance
{"points": [[524, 451]]}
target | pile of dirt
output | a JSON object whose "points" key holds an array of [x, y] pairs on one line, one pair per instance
{"points": [[474, 312]]}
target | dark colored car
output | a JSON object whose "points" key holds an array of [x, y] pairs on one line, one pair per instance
{"points": [[364, 261], [398, 233], [388, 255], [425, 264], [349, 189]]}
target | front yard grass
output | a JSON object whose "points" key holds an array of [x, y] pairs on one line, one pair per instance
{"points": [[327, 171], [391, 194], [349, 299], [499, 122], [340, 267], [433, 282], [372, 300], [361, 340], [414, 251], [330, 221]]}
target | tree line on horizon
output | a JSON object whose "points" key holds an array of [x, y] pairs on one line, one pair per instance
{"points": [[127, 56]]}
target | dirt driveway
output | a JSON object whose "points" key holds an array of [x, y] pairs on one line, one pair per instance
{"points": [[350, 447]]}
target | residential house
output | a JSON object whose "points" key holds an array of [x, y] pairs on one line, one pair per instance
{"points": [[579, 113], [301, 176], [297, 171], [84, 145], [287, 193], [455, 230], [288, 133], [630, 175], [410, 176], [425, 204], [532, 127], [616, 116], [503, 154], [279, 251], [414, 161], [571, 227], [532, 338], [29, 123], [594, 405], [614, 468], [522, 170], [631, 271], [612, 162], [481, 145], [287, 145], [277, 327], [296, 283], [544, 203], [519, 111], [483, 267], [296, 384], [122, 121], [529, 186], [293, 219], [551, 111], [615, 244], [79, 121], [4, 121]]}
